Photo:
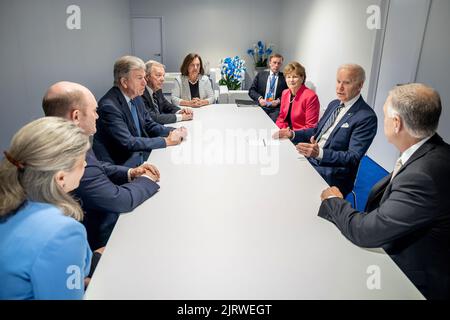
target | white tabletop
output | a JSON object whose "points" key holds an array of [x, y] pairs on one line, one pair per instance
{"points": [[236, 218]]}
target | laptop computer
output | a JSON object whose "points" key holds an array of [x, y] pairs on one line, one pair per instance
{"points": [[245, 103]]}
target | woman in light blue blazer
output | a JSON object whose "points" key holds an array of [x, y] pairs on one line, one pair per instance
{"points": [[44, 253], [192, 88]]}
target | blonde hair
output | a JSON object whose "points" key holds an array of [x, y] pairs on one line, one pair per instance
{"points": [[295, 68], [37, 152]]}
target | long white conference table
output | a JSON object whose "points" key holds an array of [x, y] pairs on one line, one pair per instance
{"points": [[236, 219]]}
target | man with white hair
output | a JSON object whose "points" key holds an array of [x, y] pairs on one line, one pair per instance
{"points": [[126, 133], [408, 211], [160, 109], [343, 135]]}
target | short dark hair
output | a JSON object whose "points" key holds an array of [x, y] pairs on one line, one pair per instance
{"points": [[61, 105], [187, 61]]}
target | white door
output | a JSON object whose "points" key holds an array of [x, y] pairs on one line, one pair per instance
{"points": [[146, 37]]}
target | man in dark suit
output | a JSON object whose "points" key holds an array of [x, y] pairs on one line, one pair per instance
{"points": [[408, 212], [343, 135], [126, 133], [160, 109], [267, 87], [105, 190]]}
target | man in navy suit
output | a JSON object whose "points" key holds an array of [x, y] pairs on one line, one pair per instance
{"points": [[268, 86], [343, 135], [126, 133], [408, 211], [160, 109], [105, 190]]}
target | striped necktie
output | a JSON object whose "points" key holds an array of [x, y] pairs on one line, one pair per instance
{"points": [[155, 102], [330, 121]]}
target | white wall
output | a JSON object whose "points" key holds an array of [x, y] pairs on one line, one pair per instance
{"points": [[214, 29], [37, 50], [324, 34], [434, 65], [401, 51]]}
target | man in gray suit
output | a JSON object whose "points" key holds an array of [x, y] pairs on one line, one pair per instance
{"points": [[408, 212]]}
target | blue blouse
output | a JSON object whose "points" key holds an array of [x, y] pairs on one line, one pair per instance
{"points": [[43, 254]]}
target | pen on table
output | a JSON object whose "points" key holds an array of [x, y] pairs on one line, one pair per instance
{"points": [[264, 141]]}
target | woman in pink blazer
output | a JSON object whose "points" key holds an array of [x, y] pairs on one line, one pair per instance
{"points": [[300, 107]]}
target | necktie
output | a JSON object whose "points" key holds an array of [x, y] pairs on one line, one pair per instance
{"points": [[397, 167], [271, 93], [135, 117], [330, 121], [155, 102]]}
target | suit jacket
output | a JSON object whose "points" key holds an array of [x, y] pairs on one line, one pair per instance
{"points": [[346, 146], [181, 90], [258, 88], [409, 217], [305, 109], [117, 139], [37, 244], [164, 112], [105, 192]]}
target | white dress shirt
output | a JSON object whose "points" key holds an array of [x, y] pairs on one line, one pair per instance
{"points": [[268, 85], [326, 135], [410, 151]]}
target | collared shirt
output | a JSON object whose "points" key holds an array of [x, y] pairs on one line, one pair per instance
{"points": [[177, 114], [268, 84], [128, 99], [326, 135], [411, 150]]}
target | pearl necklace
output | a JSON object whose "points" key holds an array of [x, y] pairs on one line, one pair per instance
{"points": [[193, 83]]}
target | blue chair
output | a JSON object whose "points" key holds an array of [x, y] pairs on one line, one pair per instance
{"points": [[369, 173]]}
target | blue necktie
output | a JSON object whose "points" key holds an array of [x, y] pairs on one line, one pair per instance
{"points": [[135, 117], [271, 93], [330, 121]]}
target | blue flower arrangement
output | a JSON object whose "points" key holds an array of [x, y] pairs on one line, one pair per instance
{"points": [[232, 70], [260, 53]]}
